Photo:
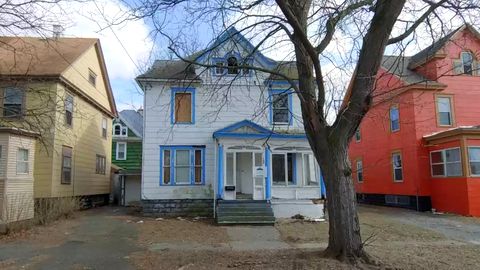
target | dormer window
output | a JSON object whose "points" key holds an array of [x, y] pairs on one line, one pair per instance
{"points": [[467, 63], [119, 130], [232, 65]]}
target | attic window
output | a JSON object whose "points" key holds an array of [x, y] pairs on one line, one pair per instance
{"points": [[232, 64], [92, 77], [219, 68], [467, 63], [119, 130]]}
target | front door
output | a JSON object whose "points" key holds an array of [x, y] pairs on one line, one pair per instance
{"points": [[244, 175]]}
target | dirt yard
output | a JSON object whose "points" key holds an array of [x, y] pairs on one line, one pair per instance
{"points": [[109, 238]]}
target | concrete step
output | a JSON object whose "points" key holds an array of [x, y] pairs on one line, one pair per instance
{"points": [[244, 212], [246, 219]]}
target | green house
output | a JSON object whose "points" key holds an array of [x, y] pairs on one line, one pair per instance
{"points": [[127, 156]]}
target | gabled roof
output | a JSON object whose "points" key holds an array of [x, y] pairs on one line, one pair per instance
{"points": [[134, 120], [39, 56], [49, 58], [428, 53], [398, 65], [181, 70], [249, 129]]}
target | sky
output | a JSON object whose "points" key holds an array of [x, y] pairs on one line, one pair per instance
{"points": [[129, 48], [126, 47]]}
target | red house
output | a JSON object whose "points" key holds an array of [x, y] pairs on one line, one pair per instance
{"points": [[419, 145]]}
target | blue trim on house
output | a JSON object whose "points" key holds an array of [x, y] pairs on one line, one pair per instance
{"points": [[220, 172], [232, 33], [175, 90], [191, 149], [323, 190], [268, 180], [261, 132], [290, 105]]}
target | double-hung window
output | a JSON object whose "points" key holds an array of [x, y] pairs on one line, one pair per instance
{"points": [[467, 63], [397, 167], [182, 165], [359, 171], [104, 128], [22, 161], [121, 151], [69, 110], [100, 164], [358, 135], [13, 102], [309, 173], [394, 119], [474, 160], [284, 169], [183, 106], [280, 107], [444, 109], [66, 177], [446, 162]]}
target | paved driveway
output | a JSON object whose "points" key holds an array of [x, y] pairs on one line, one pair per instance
{"points": [[455, 227], [94, 240]]}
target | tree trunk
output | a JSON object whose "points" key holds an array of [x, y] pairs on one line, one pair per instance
{"points": [[344, 240]]}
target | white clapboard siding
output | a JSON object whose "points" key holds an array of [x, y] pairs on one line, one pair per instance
{"points": [[209, 117]]}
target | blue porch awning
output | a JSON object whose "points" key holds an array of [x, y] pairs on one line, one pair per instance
{"points": [[247, 129]]}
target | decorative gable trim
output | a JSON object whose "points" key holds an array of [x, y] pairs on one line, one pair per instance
{"points": [[254, 131]]}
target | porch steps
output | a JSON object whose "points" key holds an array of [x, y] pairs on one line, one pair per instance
{"points": [[244, 212]]}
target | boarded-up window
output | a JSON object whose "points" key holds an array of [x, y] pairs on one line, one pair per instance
{"points": [[66, 177], [100, 166], [183, 107]]}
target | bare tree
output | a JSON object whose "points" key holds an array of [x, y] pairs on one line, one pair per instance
{"points": [[312, 29]]}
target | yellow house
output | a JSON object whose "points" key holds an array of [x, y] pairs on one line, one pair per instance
{"points": [[59, 89]]}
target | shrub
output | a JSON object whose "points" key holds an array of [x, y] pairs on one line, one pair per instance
{"points": [[48, 210]]}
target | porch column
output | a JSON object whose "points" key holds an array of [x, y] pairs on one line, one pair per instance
{"points": [[220, 172], [268, 180], [323, 191]]}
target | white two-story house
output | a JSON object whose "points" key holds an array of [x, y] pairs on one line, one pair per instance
{"points": [[221, 132]]}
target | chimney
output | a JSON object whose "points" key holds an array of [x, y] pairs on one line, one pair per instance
{"points": [[140, 111], [57, 31]]}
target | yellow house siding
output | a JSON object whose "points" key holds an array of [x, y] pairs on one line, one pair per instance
{"points": [[78, 74], [85, 139], [18, 197]]}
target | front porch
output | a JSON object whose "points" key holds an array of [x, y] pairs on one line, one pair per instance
{"points": [[255, 163]]}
